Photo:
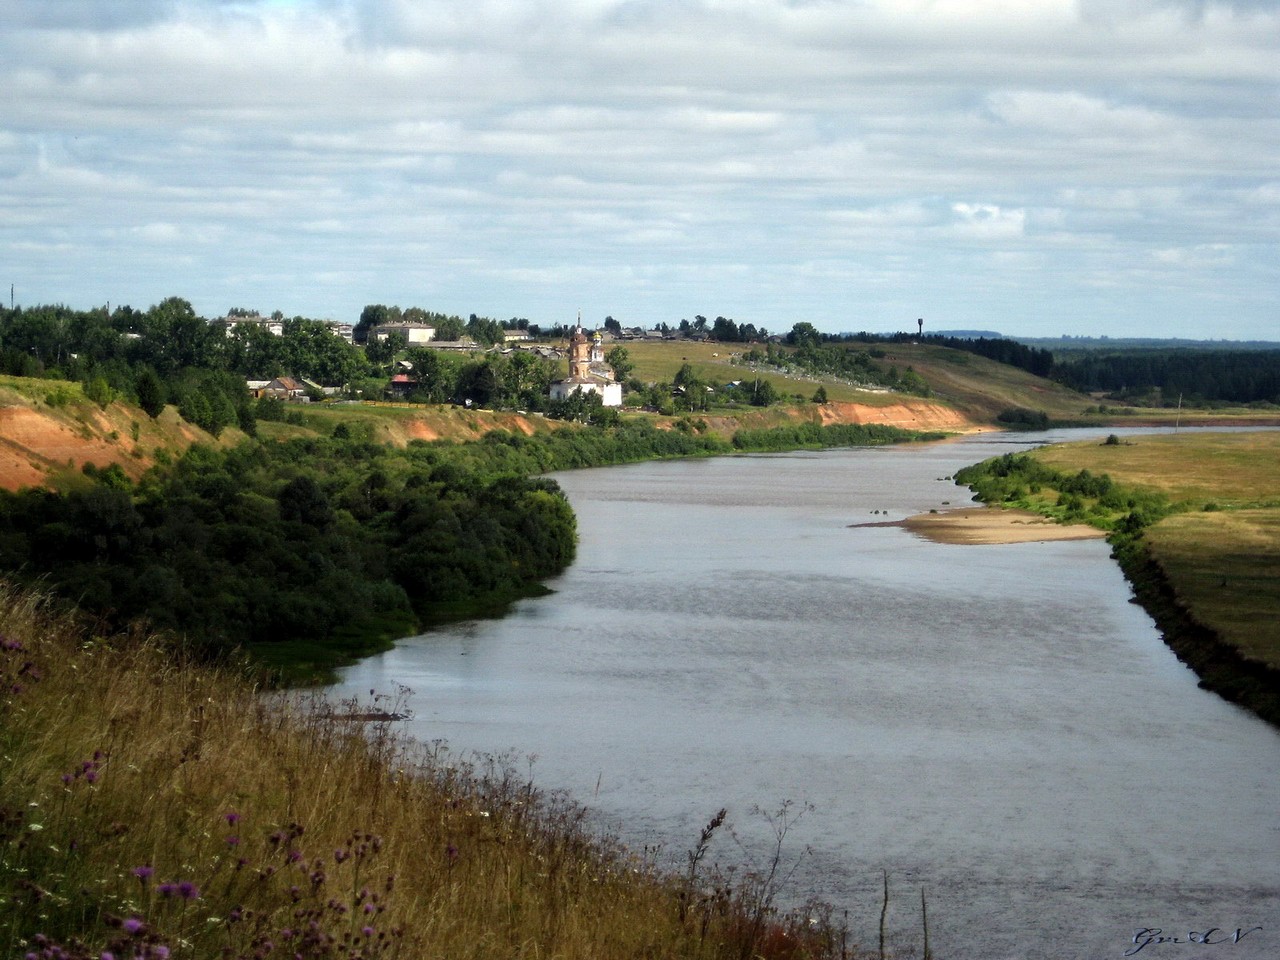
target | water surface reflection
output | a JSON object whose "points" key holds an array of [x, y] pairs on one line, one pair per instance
{"points": [[997, 723]]}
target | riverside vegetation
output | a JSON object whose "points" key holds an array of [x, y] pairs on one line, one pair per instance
{"points": [[152, 807], [1194, 521], [309, 552]]}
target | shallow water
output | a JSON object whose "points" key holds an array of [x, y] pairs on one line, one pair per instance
{"points": [[997, 724]]}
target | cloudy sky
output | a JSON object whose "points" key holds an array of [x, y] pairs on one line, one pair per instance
{"points": [[1035, 167]]}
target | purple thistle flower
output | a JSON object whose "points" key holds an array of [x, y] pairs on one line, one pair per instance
{"points": [[188, 890], [233, 841], [294, 856], [106, 955], [142, 873], [132, 925], [160, 952], [91, 776], [367, 931], [231, 817], [167, 889]]}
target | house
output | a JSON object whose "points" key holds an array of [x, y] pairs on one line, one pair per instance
{"points": [[347, 331], [230, 323], [401, 385], [285, 388], [455, 346], [414, 334]]}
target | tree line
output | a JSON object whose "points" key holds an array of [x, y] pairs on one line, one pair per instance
{"points": [[1163, 377]]}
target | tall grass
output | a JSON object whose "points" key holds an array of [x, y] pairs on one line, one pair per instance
{"points": [[155, 808]]}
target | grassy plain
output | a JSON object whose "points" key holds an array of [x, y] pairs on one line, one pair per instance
{"points": [[1221, 551], [150, 808]]}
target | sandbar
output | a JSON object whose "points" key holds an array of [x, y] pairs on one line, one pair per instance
{"points": [[995, 525]]}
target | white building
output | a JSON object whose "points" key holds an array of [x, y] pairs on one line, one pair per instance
{"points": [[413, 333], [588, 373]]}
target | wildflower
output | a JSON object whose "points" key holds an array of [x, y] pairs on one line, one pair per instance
{"points": [[231, 817], [143, 872], [233, 841], [367, 931], [188, 890], [132, 925], [451, 852]]}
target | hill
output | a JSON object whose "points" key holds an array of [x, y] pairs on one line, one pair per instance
{"points": [[49, 430]]}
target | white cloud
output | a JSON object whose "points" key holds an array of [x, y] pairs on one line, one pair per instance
{"points": [[782, 156]]}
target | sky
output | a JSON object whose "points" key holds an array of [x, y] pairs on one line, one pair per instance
{"points": [[1032, 167]]}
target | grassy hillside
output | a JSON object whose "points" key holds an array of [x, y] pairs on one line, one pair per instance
{"points": [[974, 386], [149, 808], [49, 430]]}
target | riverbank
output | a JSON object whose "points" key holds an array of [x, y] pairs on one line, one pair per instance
{"points": [[1194, 521], [150, 807]]}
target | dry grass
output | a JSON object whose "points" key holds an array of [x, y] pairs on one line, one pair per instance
{"points": [[1225, 468], [150, 807]]}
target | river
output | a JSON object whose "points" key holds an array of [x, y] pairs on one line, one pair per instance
{"points": [[996, 724]]}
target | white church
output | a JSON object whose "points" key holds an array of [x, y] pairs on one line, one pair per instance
{"points": [[588, 373]]}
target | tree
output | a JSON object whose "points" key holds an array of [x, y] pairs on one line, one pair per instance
{"points": [[620, 360], [763, 393], [725, 330], [612, 325], [820, 395], [302, 501], [385, 350], [804, 334], [151, 392], [373, 315]]}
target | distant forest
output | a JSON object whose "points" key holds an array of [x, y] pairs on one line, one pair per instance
{"points": [[1159, 377]]}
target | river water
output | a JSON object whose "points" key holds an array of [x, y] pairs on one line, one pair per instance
{"points": [[998, 725]]}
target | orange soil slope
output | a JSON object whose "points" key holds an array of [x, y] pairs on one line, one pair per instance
{"points": [[907, 415], [39, 442]]}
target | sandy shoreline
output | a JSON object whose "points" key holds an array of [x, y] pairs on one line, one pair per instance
{"points": [[991, 525]]}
